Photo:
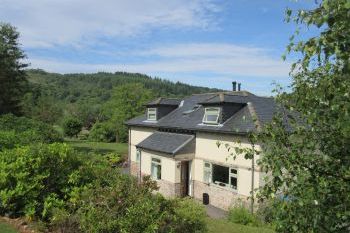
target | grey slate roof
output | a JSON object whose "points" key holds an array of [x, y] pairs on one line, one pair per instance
{"points": [[169, 143], [164, 101], [262, 108]]}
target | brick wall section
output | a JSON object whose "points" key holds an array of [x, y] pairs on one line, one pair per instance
{"points": [[134, 169], [169, 189], [218, 197]]}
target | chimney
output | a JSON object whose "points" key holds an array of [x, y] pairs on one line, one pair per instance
{"points": [[239, 86], [234, 86]]}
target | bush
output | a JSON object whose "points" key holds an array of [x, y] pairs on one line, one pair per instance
{"points": [[267, 211], [23, 131], [241, 215], [189, 216], [102, 132], [117, 203], [35, 179], [72, 127]]}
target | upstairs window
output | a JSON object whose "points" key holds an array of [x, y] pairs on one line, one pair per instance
{"points": [[211, 115], [152, 114]]}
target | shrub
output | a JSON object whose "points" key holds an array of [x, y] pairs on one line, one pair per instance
{"points": [[189, 216], [23, 131], [35, 179], [117, 203], [241, 215], [72, 127], [102, 132], [267, 211]]}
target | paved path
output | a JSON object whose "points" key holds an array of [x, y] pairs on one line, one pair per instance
{"points": [[215, 212]]}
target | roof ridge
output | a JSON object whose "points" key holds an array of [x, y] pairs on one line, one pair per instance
{"points": [[252, 111]]}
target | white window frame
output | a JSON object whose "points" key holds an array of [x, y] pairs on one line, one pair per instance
{"points": [[156, 163], [138, 155], [206, 110], [234, 175], [209, 170], [151, 111]]}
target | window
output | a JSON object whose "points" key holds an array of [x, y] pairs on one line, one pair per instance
{"points": [[152, 114], [138, 156], [220, 175], [156, 169], [211, 115]]}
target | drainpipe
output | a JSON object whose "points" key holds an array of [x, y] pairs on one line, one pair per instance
{"points": [[140, 180], [129, 152], [252, 199]]}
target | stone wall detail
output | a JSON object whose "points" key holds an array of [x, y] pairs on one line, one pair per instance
{"points": [[218, 197]]}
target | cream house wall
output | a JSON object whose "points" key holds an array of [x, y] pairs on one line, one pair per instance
{"points": [[207, 150], [137, 135], [170, 171]]}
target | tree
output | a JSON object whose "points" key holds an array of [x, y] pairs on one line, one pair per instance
{"points": [[71, 127], [309, 158], [12, 74], [127, 101]]}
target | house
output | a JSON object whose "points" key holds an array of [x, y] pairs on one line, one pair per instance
{"points": [[175, 142]]}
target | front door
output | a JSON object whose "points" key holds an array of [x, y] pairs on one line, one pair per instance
{"points": [[184, 178]]}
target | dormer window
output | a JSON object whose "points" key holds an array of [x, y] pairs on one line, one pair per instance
{"points": [[152, 114], [211, 115]]}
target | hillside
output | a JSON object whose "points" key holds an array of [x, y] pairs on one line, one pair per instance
{"points": [[102, 102], [98, 86]]}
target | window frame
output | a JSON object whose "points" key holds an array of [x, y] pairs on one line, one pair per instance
{"points": [[205, 121], [156, 163], [155, 114], [211, 172]]}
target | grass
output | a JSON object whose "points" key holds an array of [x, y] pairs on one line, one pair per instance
{"points": [[224, 226], [99, 147], [6, 228]]}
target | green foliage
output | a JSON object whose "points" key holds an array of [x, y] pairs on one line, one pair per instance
{"points": [[224, 226], [102, 132], [309, 160], [190, 216], [55, 96], [12, 75], [127, 101], [241, 215], [35, 179], [23, 131], [72, 126]]}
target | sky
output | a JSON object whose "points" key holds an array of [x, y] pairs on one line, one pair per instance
{"points": [[200, 42]]}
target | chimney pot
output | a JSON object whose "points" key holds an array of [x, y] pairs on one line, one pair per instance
{"points": [[234, 86]]}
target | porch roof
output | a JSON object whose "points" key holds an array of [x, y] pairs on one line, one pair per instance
{"points": [[169, 143]]}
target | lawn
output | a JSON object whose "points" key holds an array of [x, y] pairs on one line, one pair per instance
{"points": [[224, 226], [100, 147], [6, 228]]}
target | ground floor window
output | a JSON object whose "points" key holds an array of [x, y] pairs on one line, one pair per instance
{"points": [[156, 169], [220, 175]]}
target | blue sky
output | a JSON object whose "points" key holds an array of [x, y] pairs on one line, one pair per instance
{"points": [[201, 42]]}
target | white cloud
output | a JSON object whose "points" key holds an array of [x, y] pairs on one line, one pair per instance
{"points": [[216, 58], [45, 23]]}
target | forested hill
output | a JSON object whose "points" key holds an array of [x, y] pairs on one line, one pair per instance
{"points": [[75, 87], [101, 102]]}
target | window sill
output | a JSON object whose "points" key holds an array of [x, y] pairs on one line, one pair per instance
{"points": [[223, 187], [150, 121]]}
